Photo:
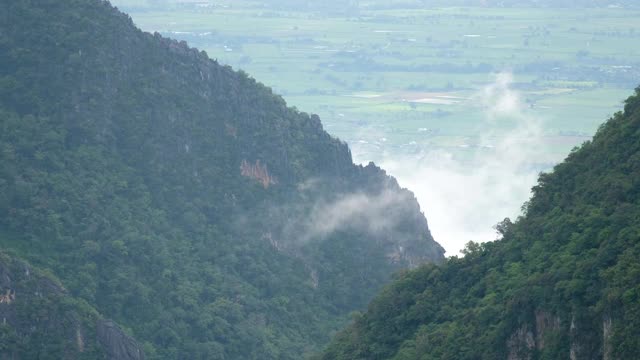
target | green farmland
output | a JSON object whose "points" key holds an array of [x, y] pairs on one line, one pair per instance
{"points": [[418, 88], [400, 70]]}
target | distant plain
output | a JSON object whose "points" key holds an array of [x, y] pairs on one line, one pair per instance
{"points": [[400, 81]]}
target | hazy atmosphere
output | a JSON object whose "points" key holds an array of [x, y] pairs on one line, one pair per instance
{"points": [[465, 198], [463, 105], [320, 180]]}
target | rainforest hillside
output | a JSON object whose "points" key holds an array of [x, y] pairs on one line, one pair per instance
{"points": [[562, 283], [40, 320], [181, 198]]}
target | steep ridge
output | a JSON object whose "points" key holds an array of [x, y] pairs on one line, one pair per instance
{"points": [[40, 320], [183, 199], [562, 283]]}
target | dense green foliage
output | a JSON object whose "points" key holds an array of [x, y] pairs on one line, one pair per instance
{"points": [[39, 318], [181, 198], [564, 278]]}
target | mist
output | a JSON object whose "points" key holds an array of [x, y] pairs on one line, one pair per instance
{"points": [[370, 212], [314, 218], [463, 198]]}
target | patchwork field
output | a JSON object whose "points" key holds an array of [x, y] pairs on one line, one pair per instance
{"points": [[400, 71], [488, 96]]}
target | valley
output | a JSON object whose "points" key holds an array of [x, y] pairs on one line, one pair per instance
{"points": [[158, 202], [398, 69], [487, 95]]}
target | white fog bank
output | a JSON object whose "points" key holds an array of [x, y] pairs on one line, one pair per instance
{"points": [[464, 198]]}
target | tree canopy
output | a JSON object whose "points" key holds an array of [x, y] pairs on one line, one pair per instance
{"points": [[563, 282], [183, 199]]}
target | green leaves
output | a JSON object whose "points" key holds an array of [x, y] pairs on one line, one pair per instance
{"points": [[564, 277], [120, 170]]}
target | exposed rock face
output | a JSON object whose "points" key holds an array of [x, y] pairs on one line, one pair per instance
{"points": [[530, 338], [574, 349], [32, 314], [521, 344], [607, 324], [37, 312], [202, 144], [117, 344], [15, 274], [562, 282], [19, 286], [545, 323], [257, 171]]}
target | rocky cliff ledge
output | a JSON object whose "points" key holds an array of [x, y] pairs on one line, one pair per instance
{"points": [[38, 317]]}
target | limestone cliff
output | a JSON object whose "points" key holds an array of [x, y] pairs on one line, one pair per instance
{"points": [[39, 318], [562, 283]]}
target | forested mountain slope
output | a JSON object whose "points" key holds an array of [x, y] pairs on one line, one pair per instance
{"points": [[183, 199], [40, 320], [562, 283]]}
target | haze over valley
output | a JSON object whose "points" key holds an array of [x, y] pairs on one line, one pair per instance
{"points": [[465, 105], [319, 180]]}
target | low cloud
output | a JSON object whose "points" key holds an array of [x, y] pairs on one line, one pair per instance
{"points": [[463, 197], [366, 212]]}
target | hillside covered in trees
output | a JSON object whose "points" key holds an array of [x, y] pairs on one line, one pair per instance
{"points": [[179, 198], [562, 283]]}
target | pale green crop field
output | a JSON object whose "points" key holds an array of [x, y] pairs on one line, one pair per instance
{"points": [[423, 91], [405, 80]]}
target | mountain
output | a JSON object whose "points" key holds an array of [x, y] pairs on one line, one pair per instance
{"points": [[40, 320], [562, 283], [180, 198]]}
